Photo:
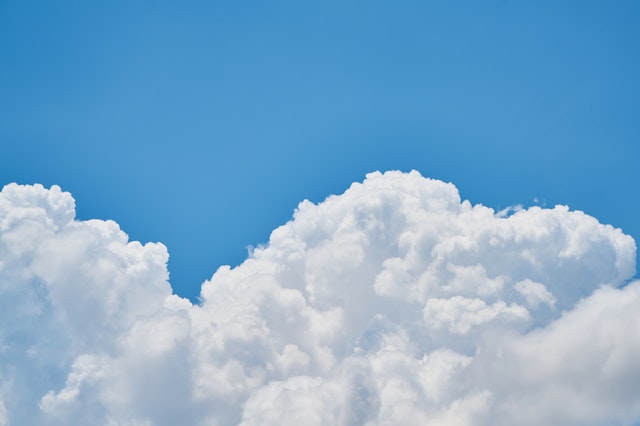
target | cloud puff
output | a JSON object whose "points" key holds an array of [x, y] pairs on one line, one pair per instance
{"points": [[393, 303]]}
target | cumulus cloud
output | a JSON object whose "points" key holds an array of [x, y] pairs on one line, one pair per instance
{"points": [[393, 303]]}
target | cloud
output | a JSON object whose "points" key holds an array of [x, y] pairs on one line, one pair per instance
{"points": [[393, 303]]}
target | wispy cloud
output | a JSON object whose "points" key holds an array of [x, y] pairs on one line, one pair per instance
{"points": [[393, 303]]}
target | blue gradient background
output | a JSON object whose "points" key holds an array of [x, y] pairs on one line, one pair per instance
{"points": [[203, 124]]}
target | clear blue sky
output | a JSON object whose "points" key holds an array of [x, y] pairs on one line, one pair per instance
{"points": [[202, 124]]}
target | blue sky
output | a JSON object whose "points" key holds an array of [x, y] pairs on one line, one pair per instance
{"points": [[203, 125]]}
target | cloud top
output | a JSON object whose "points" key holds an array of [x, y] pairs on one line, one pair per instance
{"points": [[393, 303]]}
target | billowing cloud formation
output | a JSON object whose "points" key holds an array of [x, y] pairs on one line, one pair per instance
{"points": [[393, 303]]}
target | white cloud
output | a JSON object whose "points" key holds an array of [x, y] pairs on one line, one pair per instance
{"points": [[535, 293], [459, 314], [393, 303]]}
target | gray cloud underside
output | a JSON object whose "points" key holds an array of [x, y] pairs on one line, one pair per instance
{"points": [[393, 303]]}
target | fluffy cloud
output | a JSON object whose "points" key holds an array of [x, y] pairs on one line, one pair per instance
{"points": [[393, 303]]}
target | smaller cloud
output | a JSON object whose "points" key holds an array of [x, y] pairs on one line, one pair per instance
{"points": [[460, 314], [535, 293]]}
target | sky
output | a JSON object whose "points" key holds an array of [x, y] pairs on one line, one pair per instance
{"points": [[244, 213], [205, 124]]}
